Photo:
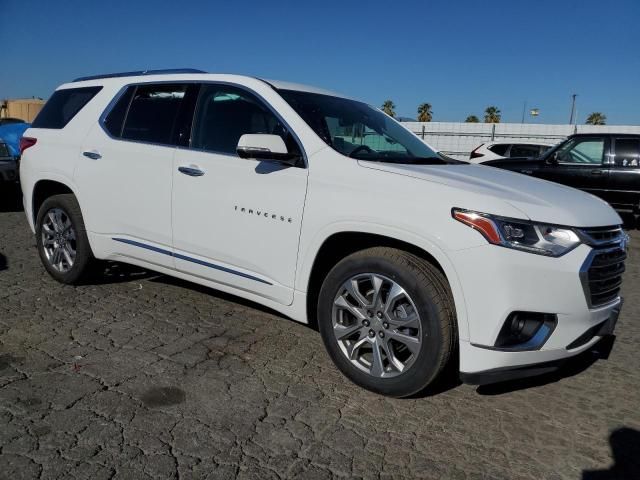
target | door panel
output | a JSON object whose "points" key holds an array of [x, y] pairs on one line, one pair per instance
{"points": [[579, 164], [236, 221], [126, 170], [624, 178], [126, 194]]}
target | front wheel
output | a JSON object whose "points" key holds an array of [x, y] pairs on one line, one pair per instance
{"points": [[387, 320], [62, 239]]}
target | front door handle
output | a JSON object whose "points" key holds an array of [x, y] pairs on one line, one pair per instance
{"points": [[93, 155], [596, 172], [191, 171]]}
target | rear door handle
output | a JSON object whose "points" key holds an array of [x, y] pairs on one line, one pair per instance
{"points": [[93, 155], [596, 172], [191, 171]]}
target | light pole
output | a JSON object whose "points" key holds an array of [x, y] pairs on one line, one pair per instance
{"points": [[573, 109]]}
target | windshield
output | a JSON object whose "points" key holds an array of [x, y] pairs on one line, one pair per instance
{"points": [[551, 150], [359, 131]]}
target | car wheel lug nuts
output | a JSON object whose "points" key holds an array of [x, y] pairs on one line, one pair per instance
{"points": [[366, 323], [372, 333], [379, 314], [385, 325], [381, 334]]}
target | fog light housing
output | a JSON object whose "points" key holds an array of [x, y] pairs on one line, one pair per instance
{"points": [[526, 331]]}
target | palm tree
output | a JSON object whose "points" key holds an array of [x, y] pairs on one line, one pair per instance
{"points": [[597, 118], [388, 107], [492, 115], [424, 112], [472, 119]]}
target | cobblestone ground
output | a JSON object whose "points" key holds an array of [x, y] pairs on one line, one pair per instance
{"points": [[148, 377]]}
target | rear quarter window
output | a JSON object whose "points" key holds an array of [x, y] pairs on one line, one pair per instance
{"points": [[499, 149], [63, 106]]}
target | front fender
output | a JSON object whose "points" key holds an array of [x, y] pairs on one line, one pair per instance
{"points": [[308, 255]]}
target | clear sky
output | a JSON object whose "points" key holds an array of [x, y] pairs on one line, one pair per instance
{"points": [[460, 56]]}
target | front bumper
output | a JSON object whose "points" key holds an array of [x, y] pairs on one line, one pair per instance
{"points": [[601, 344], [497, 281]]}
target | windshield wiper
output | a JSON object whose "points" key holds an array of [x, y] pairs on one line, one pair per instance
{"points": [[408, 160]]}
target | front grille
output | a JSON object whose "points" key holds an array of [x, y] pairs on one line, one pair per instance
{"points": [[602, 276], [599, 236]]}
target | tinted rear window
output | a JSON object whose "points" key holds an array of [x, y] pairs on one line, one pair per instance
{"points": [[63, 106], [152, 113], [627, 152], [4, 151]]}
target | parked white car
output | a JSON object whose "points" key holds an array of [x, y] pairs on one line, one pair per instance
{"points": [[329, 211], [495, 150]]}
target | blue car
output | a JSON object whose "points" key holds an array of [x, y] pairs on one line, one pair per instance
{"points": [[10, 135]]}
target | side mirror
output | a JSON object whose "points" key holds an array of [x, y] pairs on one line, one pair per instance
{"points": [[553, 159], [270, 148]]}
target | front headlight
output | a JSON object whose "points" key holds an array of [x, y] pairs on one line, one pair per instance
{"points": [[532, 237]]}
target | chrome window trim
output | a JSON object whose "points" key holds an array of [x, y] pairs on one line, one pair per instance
{"points": [[123, 89]]}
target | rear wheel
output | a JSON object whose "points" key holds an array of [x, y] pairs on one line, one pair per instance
{"points": [[62, 239], [387, 320]]}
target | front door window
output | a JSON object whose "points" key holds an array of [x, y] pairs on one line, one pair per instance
{"points": [[582, 152]]}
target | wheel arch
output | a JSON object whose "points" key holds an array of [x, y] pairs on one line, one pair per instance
{"points": [[340, 244], [45, 188]]}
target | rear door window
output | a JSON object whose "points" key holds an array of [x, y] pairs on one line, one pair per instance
{"points": [[152, 113], [627, 152], [63, 106]]}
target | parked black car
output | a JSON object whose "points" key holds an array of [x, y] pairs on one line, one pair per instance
{"points": [[606, 165], [8, 164]]}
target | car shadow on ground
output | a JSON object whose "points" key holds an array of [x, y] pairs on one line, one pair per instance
{"points": [[113, 272], [3, 263], [573, 366], [625, 450], [177, 282], [10, 197], [449, 378]]}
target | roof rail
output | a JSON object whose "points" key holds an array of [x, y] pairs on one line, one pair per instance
{"points": [[140, 72]]}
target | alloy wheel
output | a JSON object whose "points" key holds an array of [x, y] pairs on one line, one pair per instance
{"points": [[376, 325], [59, 240]]}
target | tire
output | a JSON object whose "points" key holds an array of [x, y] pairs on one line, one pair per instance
{"points": [[66, 210], [412, 352]]}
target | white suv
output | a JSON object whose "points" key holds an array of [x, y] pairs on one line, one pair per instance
{"points": [[329, 211]]}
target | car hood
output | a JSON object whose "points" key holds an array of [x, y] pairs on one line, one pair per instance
{"points": [[537, 199]]}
